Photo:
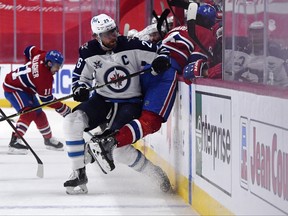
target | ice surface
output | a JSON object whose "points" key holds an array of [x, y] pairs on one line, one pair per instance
{"points": [[121, 192]]}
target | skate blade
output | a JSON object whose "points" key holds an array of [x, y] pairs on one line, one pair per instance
{"points": [[13, 151], [95, 152], [81, 189], [54, 149]]}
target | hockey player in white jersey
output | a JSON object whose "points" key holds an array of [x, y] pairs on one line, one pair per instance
{"points": [[256, 65], [105, 58]]}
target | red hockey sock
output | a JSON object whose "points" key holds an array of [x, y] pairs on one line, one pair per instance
{"points": [[24, 122], [43, 126], [124, 136], [148, 123]]}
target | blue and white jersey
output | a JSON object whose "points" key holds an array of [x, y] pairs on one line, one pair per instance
{"points": [[96, 66]]}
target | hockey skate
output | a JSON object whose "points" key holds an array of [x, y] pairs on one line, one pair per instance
{"points": [[15, 146], [102, 152], [87, 156], [78, 179], [53, 144]]}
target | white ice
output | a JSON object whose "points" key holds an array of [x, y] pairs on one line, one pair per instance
{"points": [[121, 192]]}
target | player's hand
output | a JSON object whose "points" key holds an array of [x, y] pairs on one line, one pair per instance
{"points": [[160, 64], [219, 33], [194, 70], [64, 110], [80, 93]]}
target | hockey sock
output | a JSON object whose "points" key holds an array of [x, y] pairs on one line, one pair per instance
{"points": [[42, 124], [148, 123], [73, 129], [24, 122]]}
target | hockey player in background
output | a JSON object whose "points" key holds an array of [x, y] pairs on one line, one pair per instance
{"points": [[21, 87], [252, 63], [105, 58], [175, 53]]}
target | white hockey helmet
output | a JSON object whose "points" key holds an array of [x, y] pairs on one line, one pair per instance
{"points": [[151, 28], [102, 23], [132, 33]]}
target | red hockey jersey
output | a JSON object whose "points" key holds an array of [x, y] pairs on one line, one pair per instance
{"points": [[33, 78], [182, 46]]}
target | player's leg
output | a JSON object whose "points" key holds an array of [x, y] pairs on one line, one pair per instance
{"points": [[101, 148], [160, 93], [136, 160], [159, 99], [19, 100], [86, 116], [44, 128]]}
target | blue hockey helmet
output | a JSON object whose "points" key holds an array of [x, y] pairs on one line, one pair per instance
{"points": [[54, 56], [206, 15]]}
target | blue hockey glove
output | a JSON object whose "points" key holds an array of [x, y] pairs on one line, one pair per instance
{"points": [[160, 64], [194, 70]]}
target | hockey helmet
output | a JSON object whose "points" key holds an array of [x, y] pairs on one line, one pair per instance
{"points": [[55, 57], [132, 33], [102, 23], [206, 15]]}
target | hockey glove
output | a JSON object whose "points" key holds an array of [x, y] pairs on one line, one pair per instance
{"points": [[194, 70], [64, 110], [80, 93], [160, 64]]}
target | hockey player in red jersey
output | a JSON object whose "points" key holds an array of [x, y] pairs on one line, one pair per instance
{"points": [[175, 53], [21, 87]]}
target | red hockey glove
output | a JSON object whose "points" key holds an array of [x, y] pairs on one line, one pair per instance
{"points": [[194, 70], [64, 110]]}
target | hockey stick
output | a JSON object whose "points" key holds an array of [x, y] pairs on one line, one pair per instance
{"points": [[191, 22], [126, 29], [160, 20], [12, 120], [176, 3], [71, 95], [40, 170]]}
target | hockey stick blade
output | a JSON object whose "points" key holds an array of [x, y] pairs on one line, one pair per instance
{"points": [[192, 11], [120, 79], [126, 29], [40, 170], [191, 22], [162, 6]]}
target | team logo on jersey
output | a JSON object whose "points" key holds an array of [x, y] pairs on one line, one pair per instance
{"points": [[116, 73], [97, 64]]}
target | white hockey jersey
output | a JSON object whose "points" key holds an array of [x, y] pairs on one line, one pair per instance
{"points": [[96, 66]]}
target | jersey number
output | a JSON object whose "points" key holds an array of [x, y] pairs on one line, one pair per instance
{"points": [[79, 62], [145, 43], [20, 71]]}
